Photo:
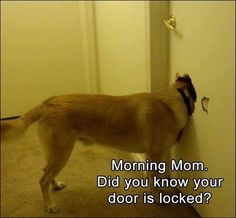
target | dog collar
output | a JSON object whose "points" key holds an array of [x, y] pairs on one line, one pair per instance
{"points": [[186, 101]]}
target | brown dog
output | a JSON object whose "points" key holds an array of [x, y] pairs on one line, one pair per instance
{"points": [[145, 122]]}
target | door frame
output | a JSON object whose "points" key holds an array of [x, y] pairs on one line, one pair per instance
{"points": [[159, 43], [86, 31], [157, 51], [86, 11]]}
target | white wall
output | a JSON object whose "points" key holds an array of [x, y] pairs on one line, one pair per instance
{"points": [[122, 47], [42, 53], [206, 51]]}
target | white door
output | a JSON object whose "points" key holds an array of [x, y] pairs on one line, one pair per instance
{"points": [[47, 49], [203, 47]]}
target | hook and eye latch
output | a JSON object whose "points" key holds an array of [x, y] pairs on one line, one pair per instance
{"points": [[204, 102]]}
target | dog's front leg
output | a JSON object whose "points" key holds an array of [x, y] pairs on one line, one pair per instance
{"points": [[162, 173]]}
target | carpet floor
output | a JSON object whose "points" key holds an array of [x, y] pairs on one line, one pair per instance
{"points": [[21, 168]]}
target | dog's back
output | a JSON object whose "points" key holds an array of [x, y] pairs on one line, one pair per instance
{"points": [[106, 119]]}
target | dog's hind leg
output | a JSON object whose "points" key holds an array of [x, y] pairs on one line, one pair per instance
{"points": [[58, 149], [55, 164], [56, 185]]}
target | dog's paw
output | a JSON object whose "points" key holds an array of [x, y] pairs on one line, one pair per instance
{"points": [[52, 208], [58, 186]]}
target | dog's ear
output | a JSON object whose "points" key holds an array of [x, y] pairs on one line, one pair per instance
{"points": [[186, 76], [177, 76]]}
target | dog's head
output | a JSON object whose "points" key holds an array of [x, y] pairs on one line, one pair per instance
{"points": [[185, 83]]}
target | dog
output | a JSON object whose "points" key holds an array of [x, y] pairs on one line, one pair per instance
{"points": [[140, 123]]}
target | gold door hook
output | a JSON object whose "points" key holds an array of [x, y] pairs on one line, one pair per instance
{"points": [[170, 23]]}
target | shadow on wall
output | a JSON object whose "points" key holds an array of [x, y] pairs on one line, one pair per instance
{"points": [[188, 150], [188, 145]]}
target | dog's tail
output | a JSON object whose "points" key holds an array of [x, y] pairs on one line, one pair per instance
{"points": [[11, 129]]}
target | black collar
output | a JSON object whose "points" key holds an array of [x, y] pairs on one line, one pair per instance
{"points": [[186, 101]]}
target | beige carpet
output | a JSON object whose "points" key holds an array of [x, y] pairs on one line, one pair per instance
{"points": [[21, 168]]}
